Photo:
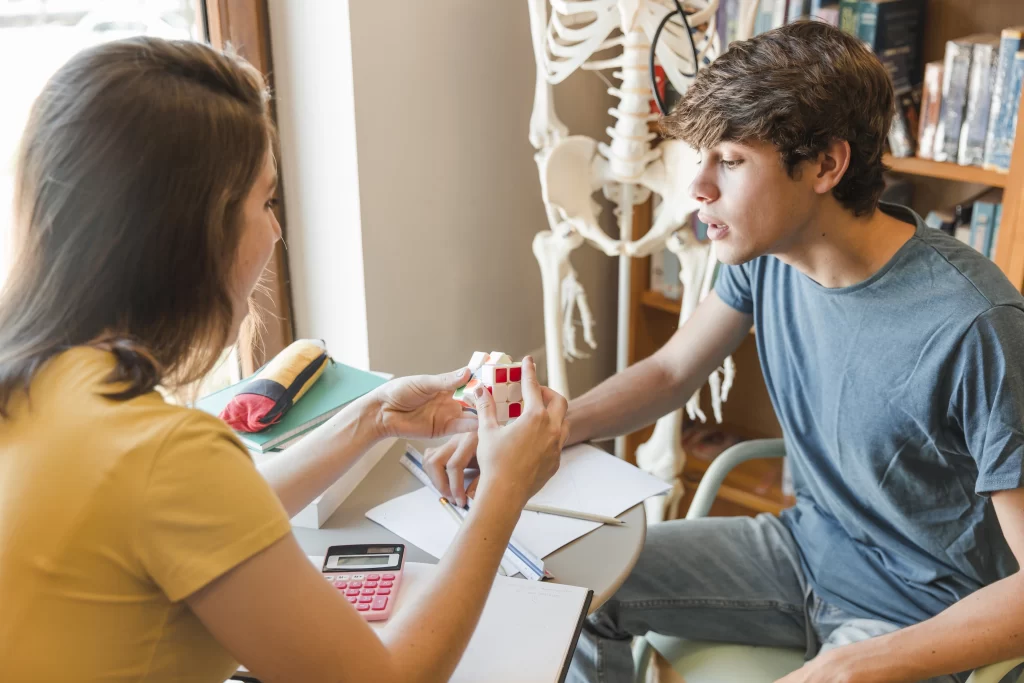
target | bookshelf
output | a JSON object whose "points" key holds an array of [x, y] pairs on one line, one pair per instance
{"points": [[946, 171], [756, 486]]}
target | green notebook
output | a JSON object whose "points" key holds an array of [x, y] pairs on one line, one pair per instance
{"points": [[338, 386]]}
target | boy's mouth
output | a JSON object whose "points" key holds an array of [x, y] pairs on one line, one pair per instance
{"points": [[716, 229]]}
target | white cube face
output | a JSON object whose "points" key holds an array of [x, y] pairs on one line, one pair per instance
{"points": [[500, 393], [515, 392], [502, 412], [487, 375]]}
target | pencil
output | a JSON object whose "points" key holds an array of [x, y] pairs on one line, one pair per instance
{"points": [[458, 520], [549, 510]]}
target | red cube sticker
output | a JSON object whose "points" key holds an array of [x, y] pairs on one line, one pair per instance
{"points": [[515, 410], [500, 375], [515, 374]]}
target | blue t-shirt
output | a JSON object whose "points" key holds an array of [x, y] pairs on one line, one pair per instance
{"points": [[901, 401]]}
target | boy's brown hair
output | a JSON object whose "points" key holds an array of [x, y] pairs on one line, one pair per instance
{"points": [[798, 87], [129, 186]]}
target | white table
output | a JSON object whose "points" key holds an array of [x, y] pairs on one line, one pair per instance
{"points": [[601, 560]]}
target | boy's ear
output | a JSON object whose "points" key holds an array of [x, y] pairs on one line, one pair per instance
{"points": [[831, 166]]}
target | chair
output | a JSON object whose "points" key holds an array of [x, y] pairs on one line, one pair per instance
{"points": [[707, 662]]}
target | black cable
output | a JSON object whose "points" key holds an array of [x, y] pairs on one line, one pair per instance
{"points": [[654, 44]]}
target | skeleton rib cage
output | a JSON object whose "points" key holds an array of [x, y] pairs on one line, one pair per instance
{"points": [[615, 36]]}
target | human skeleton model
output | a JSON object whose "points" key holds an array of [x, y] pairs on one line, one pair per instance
{"points": [[597, 35]]}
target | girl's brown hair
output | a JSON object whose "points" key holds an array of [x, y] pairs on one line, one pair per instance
{"points": [[130, 180]]}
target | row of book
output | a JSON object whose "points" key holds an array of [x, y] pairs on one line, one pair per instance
{"points": [[970, 102], [974, 222]]}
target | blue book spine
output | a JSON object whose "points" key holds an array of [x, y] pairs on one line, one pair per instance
{"points": [[981, 225], [1006, 126], [996, 144], [955, 74], [993, 241], [979, 99]]}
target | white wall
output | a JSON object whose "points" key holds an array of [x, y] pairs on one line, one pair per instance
{"points": [[319, 174], [448, 198]]}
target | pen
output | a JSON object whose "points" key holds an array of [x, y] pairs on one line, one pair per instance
{"points": [[549, 510], [458, 520]]}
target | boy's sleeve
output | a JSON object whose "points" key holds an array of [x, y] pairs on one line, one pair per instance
{"points": [[205, 508], [734, 288], [988, 399]]}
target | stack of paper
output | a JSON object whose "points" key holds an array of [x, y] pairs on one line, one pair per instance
{"points": [[588, 480]]}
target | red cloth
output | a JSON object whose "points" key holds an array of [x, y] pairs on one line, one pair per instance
{"points": [[244, 412]]}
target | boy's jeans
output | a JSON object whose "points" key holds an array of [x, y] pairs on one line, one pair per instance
{"points": [[727, 579]]}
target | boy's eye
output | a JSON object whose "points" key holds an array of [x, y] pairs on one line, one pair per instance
{"points": [[272, 203], [730, 163]]}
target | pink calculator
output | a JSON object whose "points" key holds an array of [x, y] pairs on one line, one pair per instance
{"points": [[367, 575]]}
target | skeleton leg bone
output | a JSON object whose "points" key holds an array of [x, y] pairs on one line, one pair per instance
{"points": [[552, 250]]}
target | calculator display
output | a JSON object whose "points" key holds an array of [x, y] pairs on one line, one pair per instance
{"points": [[359, 562], [353, 562]]}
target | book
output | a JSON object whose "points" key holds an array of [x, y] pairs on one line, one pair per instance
{"points": [[931, 104], [979, 97], [848, 16], [941, 219], [894, 31], [995, 231], [902, 136], [999, 137], [527, 632], [338, 386], [955, 75], [797, 10], [828, 14], [1006, 127], [983, 220]]}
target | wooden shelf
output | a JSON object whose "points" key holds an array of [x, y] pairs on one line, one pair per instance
{"points": [[946, 171], [659, 301]]}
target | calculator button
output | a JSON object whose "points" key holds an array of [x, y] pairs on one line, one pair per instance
{"points": [[388, 577], [352, 600], [365, 599], [369, 591], [385, 584], [356, 584], [352, 591], [357, 577], [369, 584], [330, 578], [383, 591], [380, 602], [340, 586], [373, 577], [363, 608]]}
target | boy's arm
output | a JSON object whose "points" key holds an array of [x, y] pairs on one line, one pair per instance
{"points": [[642, 393], [983, 628]]}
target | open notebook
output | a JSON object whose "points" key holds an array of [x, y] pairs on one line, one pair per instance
{"points": [[526, 634]]}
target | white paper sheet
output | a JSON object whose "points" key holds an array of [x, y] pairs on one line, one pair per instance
{"points": [[588, 480], [524, 633]]}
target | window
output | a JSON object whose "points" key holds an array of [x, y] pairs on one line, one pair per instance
{"points": [[37, 37]]}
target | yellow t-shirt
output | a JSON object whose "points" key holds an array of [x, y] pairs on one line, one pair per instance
{"points": [[110, 514]]}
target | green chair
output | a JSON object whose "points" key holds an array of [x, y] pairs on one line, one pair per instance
{"points": [[708, 662]]}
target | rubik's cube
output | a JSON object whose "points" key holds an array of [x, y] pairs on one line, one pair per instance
{"points": [[499, 375]]}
